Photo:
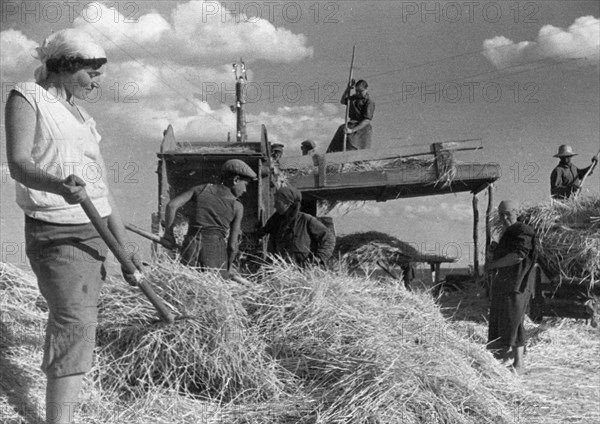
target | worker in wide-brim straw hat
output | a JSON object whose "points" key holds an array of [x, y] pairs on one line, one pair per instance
{"points": [[307, 147], [566, 177], [217, 216], [510, 263], [296, 236]]}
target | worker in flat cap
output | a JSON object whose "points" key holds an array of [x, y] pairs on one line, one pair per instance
{"points": [[308, 147], [278, 178], [510, 264], [217, 215], [276, 151], [296, 236], [566, 178]]}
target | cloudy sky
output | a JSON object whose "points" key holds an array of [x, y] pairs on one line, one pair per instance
{"points": [[523, 77]]}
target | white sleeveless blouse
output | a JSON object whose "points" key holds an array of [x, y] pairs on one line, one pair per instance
{"points": [[62, 146]]}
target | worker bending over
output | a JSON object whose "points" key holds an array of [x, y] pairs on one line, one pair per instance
{"points": [[218, 212], [294, 235]]}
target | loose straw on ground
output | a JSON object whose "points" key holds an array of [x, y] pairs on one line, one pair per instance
{"points": [[308, 346]]}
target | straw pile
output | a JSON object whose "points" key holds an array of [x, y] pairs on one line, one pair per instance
{"points": [[215, 149], [209, 351], [408, 164], [369, 247], [292, 170], [21, 337], [568, 235], [555, 371], [562, 360], [302, 346], [22, 384], [370, 353]]}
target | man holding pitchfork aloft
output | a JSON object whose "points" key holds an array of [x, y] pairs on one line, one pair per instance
{"points": [[360, 113]]}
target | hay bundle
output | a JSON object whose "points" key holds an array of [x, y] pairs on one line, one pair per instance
{"points": [[568, 235], [22, 324], [23, 307], [210, 352], [375, 354], [554, 371], [369, 247], [316, 347], [18, 289]]}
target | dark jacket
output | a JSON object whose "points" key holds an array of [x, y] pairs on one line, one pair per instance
{"points": [[563, 180], [303, 240], [519, 238]]}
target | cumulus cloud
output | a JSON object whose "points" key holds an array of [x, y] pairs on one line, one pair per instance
{"points": [[114, 31], [16, 52], [182, 60], [162, 80], [207, 28], [197, 30], [191, 119], [194, 120], [580, 41], [177, 70], [290, 125]]}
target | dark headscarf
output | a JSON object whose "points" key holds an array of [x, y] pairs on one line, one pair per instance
{"points": [[292, 195]]}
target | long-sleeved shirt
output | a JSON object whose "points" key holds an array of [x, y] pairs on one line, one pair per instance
{"points": [[563, 179], [303, 241], [519, 238]]}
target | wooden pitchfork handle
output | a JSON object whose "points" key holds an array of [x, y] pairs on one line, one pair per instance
{"points": [[166, 243], [124, 259], [348, 102], [589, 171]]}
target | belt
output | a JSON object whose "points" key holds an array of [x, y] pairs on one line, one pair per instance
{"points": [[207, 232]]}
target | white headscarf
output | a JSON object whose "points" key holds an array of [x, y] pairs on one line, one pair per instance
{"points": [[68, 42]]}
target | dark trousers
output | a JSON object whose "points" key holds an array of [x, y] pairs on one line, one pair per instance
{"points": [[355, 141], [68, 261], [507, 314], [204, 251]]}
